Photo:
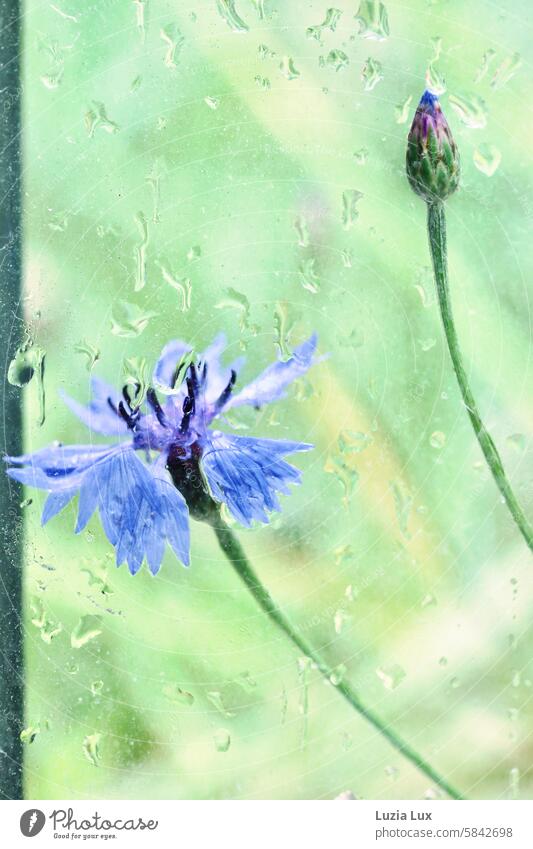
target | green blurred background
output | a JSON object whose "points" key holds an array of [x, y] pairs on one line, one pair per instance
{"points": [[222, 169]]}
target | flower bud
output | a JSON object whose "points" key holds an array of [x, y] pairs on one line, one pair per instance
{"points": [[432, 160]]}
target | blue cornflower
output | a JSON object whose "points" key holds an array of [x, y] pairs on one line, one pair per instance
{"points": [[188, 469]]}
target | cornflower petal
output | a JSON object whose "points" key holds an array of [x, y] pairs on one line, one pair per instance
{"points": [[271, 384], [99, 415]]}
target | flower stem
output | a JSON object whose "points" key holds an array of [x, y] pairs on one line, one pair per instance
{"points": [[437, 245], [233, 550]]}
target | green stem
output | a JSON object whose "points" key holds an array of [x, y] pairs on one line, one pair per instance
{"points": [[234, 552], [437, 245], [11, 633]]}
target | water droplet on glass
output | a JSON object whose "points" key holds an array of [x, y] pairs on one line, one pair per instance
{"points": [[229, 13], [97, 687], [488, 56], [91, 748], [437, 439], [265, 52], [96, 118], [427, 344], [303, 232], [346, 796], [487, 159], [28, 735], [517, 441], [353, 441], [222, 740], [304, 667], [361, 156], [135, 371], [455, 683], [263, 82], [26, 502], [215, 697], [435, 82], [371, 73], [390, 676], [392, 772], [471, 109], [283, 326], [401, 111], [337, 59], [288, 68], [350, 214], [338, 674], [129, 320], [153, 178], [345, 474], [403, 502], [90, 352], [346, 741], [245, 680], [330, 22], [429, 600], [516, 678], [340, 619], [373, 20], [237, 301], [308, 276], [443, 661], [506, 70], [514, 782], [174, 40], [136, 83], [182, 285], [176, 694], [86, 630], [347, 258], [212, 102], [29, 362], [140, 252]]}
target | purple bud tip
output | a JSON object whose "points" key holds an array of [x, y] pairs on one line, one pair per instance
{"points": [[428, 101]]}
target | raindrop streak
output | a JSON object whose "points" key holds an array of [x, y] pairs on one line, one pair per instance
{"points": [[401, 111], [229, 13], [97, 117], [506, 70], [303, 233], [91, 748], [260, 8], [471, 109], [304, 665], [182, 285], [288, 68], [403, 503], [174, 41], [372, 73], [283, 326], [140, 252], [330, 22], [308, 276], [390, 676], [373, 20], [487, 159], [222, 740], [86, 630], [337, 59], [350, 199], [129, 320], [27, 363], [284, 705], [90, 352]]}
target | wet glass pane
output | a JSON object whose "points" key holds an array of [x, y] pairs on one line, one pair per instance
{"points": [[239, 168]]}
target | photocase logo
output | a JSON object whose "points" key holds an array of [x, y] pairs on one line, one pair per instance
{"points": [[32, 822]]}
